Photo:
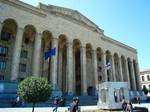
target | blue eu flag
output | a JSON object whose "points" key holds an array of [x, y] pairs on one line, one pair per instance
{"points": [[50, 53]]}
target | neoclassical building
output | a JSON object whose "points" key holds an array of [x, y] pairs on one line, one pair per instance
{"points": [[82, 48], [145, 78]]}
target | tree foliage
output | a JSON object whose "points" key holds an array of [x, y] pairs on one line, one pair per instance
{"points": [[145, 90], [149, 89], [34, 90]]}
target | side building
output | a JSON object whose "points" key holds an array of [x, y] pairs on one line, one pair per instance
{"points": [[145, 78], [82, 48]]}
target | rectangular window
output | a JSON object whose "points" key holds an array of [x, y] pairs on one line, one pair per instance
{"points": [[143, 78], [3, 51], [1, 77], [2, 65], [148, 78], [22, 67], [5, 36], [24, 54]]}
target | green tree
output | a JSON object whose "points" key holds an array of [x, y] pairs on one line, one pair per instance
{"points": [[34, 90], [145, 90], [149, 90]]}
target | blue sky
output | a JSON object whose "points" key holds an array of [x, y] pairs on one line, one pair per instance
{"points": [[127, 21]]}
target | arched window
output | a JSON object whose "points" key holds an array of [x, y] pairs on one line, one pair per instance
{"points": [[148, 78], [3, 51], [143, 78], [144, 87]]}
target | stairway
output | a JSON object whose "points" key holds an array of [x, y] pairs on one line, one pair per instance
{"points": [[8, 94], [83, 100]]}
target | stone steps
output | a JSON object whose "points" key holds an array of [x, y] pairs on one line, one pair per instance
{"points": [[83, 101]]}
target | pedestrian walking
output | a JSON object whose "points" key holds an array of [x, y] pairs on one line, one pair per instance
{"points": [[124, 104], [129, 107], [74, 105], [138, 100], [62, 101], [56, 104], [16, 102]]}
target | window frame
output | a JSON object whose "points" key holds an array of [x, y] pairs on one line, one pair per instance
{"points": [[5, 36], [3, 50], [148, 78], [24, 54], [22, 67], [143, 78], [3, 65]]}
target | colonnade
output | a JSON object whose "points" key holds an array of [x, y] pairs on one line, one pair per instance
{"points": [[122, 68]]}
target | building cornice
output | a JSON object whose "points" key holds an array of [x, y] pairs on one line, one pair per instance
{"points": [[71, 15], [145, 82], [68, 14], [26, 7], [146, 71], [115, 42]]}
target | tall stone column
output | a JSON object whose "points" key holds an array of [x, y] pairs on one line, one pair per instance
{"points": [[16, 54], [95, 67], [138, 76], [1, 25], [83, 70], [113, 69], [104, 68], [46, 65], [36, 55], [127, 73], [54, 63], [133, 76], [70, 68], [110, 70], [120, 69], [60, 67]]}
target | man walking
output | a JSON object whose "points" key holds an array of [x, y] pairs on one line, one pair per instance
{"points": [[74, 105], [56, 104]]}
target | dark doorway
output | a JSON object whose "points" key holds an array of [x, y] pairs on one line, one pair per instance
{"points": [[78, 72], [91, 91]]}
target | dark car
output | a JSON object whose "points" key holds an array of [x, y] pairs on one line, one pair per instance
{"points": [[140, 109]]}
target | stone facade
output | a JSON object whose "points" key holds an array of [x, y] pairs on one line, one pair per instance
{"points": [[82, 49], [145, 78]]}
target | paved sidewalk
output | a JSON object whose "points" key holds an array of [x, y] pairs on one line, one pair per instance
{"points": [[65, 109], [46, 109]]}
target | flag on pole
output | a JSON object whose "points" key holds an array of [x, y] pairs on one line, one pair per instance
{"points": [[50, 53], [108, 66]]}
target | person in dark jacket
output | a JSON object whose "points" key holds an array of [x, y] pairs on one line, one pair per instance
{"points": [[62, 101], [124, 104], [129, 107], [138, 100], [74, 105], [56, 104]]}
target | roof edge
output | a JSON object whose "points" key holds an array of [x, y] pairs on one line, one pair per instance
{"points": [[24, 6], [106, 38], [70, 13]]}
